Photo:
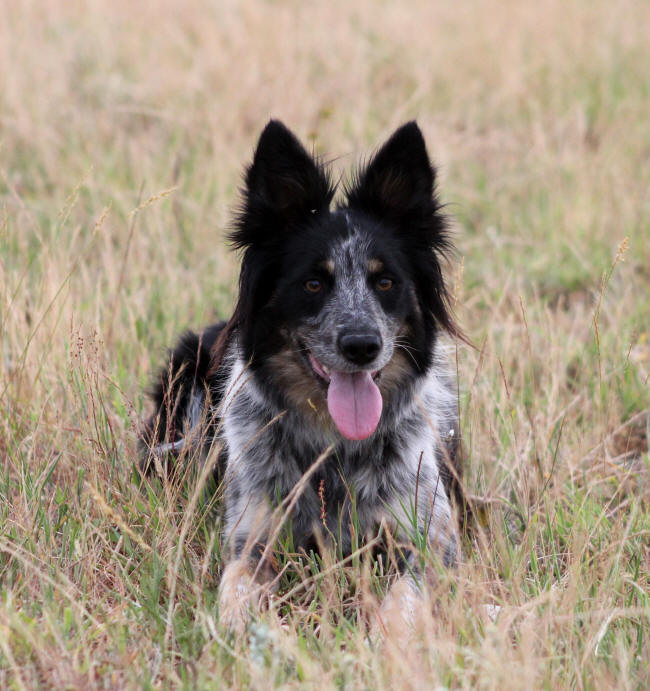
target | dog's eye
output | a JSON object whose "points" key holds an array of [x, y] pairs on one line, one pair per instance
{"points": [[384, 284], [313, 285]]}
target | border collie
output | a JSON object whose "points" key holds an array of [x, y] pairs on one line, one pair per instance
{"points": [[327, 398]]}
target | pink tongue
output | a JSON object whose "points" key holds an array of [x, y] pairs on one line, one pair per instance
{"points": [[354, 402]]}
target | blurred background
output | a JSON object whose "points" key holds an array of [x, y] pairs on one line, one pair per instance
{"points": [[124, 129], [536, 116]]}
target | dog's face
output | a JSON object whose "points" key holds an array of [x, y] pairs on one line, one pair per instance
{"points": [[339, 308]]}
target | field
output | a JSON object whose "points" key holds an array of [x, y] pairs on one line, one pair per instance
{"points": [[123, 131]]}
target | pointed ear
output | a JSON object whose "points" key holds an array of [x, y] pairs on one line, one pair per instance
{"points": [[399, 180], [283, 185], [398, 185]]}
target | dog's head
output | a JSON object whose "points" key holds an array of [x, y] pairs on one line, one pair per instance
{"points": [[339, 308]]}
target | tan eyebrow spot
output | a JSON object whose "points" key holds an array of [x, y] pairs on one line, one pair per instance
{"points": [[375, 266], [328, 265]]}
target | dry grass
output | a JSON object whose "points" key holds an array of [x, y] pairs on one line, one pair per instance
{"points": [[123, 129]]}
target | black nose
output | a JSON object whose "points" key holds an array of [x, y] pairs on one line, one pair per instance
{"points": [[360, 348]]}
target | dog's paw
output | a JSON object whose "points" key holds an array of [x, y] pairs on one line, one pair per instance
{"points": [[239, 596], [397, 617]]}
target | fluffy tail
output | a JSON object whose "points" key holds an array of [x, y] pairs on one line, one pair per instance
{"points": [[179, 394]]}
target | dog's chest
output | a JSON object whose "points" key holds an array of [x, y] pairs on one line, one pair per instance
{"points": [[354, 483]]}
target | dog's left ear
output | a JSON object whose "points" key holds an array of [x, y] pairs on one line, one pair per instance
{"points": [[398, 185], [399, 180]]}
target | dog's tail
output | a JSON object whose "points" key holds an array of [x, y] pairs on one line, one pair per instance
{"points": [[179, 393]]}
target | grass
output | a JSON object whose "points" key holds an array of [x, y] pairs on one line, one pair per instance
{"points": [[123, 131]]}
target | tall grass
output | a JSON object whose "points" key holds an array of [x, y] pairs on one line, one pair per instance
{"points": [[123, 130]]}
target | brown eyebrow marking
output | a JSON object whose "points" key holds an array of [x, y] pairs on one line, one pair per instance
{"points": [[328, 265], [375, 266]]}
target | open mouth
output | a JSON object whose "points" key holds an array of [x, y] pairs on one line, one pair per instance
{"points": [[325, 372], [353, 399]]}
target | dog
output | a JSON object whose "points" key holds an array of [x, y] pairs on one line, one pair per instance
{"points": [[328, 395]]}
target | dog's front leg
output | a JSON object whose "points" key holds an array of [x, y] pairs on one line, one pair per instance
{"points": [[247, 577], [401, 610]]}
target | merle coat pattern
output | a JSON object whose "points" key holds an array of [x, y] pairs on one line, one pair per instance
{"points": [[333, 344]]}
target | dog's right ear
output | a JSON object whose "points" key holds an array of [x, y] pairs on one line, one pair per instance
{"points": [[283, 186]]}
